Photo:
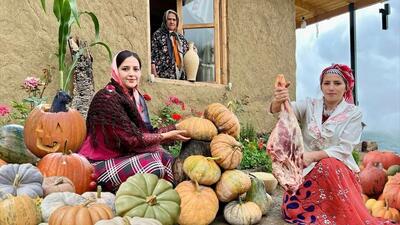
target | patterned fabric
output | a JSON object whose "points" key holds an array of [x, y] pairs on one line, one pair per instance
{"points": [[330, 194], [111, 173], [162, 54]]}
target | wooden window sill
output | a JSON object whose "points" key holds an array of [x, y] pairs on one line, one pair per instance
{"points": [[187, 83]]}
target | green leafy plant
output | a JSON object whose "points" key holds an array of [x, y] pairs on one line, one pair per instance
{"points": [[356, 156], [67, 14], [254, 151]]}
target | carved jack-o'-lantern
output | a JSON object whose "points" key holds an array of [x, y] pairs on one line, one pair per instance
{"points": [[47, 132]]}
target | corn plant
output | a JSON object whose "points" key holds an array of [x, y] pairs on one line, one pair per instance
{"points": [[67, 14]]}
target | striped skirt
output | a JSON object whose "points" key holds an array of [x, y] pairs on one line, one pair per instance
{"points": [[330, 194], [111, 173]]}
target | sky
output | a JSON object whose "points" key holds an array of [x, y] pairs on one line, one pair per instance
{"points": [[378, 66]]}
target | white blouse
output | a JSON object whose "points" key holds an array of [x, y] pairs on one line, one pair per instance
{"points": [[337, 136]]}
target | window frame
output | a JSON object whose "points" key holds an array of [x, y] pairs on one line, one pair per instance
{"points": [[220, 38]]}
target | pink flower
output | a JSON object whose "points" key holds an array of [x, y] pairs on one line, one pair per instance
{"points": [[31, 83], [174, 100], [176, 116], [183, 107], [4, 110], [146, 97]]}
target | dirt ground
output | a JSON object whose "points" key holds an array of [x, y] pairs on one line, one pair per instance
{"points": [[272, 218]]}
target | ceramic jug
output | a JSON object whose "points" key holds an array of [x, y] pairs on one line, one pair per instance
{"points": [[191, 63]]}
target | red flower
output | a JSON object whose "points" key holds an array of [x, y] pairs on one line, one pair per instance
{"points": [[176, 116], [183, 107], [147, 97], [174, 100], [4, 110], [260, 144]]}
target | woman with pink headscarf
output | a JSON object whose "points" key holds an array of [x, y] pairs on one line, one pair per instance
{"points": [[121, 141], [331, 127]]}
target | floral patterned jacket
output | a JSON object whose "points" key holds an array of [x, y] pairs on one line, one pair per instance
{"points": [[160, 55], [337, 136]]}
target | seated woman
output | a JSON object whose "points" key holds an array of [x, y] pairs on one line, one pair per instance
{"points": [[121, 141], [331, 127]]}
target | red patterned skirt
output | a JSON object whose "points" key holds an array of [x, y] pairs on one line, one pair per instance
{"points": [[111, 173], [330, 194]]}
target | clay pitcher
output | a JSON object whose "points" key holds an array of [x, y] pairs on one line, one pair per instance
{"points": [[191, 63]]}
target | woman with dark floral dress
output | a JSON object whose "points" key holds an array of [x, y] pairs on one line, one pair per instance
{"points": [[167, 49]]}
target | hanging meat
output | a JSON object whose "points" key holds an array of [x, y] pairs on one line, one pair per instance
{"points": [[285, 146]]}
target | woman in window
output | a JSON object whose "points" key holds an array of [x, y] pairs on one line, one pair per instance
{"points": [[331, 127], [167, 49], [121, 141]]}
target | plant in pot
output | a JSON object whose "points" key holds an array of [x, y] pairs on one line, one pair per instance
{"points": [[47, 128]]}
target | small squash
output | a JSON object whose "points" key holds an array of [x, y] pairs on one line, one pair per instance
{"points": [[202, 169], [87, 214], [107, 198], [225, 120], [56, 200], [258, 195], [19, 210], [386, 212], [242, 213], [199, 204], [393, 169], [145, 195], [198, 128], [232, 184], [392, 190], [57, 184], [126, 220], [21, 179], [227, 150], [270, 182]]}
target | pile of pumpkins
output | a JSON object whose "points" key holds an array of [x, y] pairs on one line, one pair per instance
{"points": [[380, 182], [38, 186]]}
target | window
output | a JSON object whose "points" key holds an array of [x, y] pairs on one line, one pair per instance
{"points": [[204, 23]]}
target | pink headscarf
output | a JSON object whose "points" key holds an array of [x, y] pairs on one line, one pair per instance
{"points": [[115, 76], [346, 73]]}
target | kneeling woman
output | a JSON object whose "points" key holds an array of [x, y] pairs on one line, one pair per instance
{"points": [[121, 141], [331, 127]]}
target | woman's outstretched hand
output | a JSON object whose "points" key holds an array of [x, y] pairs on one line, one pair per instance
{"points": [[175, 135]]}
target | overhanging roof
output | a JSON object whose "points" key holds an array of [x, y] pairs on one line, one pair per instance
{"points": [[316, 10]]}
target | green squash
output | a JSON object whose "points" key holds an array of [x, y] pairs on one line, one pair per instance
{"points": [[147, 196], [258, 195], [392, 170], [12, 145]]}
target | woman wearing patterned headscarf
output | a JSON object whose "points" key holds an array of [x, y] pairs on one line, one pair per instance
{"points": [[121, 141], [331, 127], [167, 49]]}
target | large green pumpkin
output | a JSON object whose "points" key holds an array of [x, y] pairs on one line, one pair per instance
{"points": [[12, 145], [145, 195]]}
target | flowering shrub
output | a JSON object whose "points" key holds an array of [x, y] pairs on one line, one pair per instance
{"points": [[171, 112], [35, 88]]}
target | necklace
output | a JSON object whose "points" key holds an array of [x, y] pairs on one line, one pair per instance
{"points": [[326, 112]]}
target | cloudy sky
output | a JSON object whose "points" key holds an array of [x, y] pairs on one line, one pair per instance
{"points": [[378, 66]]}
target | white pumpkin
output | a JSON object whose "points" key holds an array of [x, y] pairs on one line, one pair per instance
{"points": [[126, 220], [107, 198], [56, 200]]}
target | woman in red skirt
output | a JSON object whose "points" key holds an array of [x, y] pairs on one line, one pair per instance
{"points": [[121, 141], [331, 127]]}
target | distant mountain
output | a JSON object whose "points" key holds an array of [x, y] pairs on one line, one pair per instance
{"points": [[384, 140]]}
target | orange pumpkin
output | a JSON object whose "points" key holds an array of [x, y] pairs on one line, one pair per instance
{"points": [[223, 118], [73, 166], [392, 191], [387, 158], [198, 128], [199, 204], [19, 210], [232, 184], [87, 214], [373, 179], [46, 132], [227, 150]]}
